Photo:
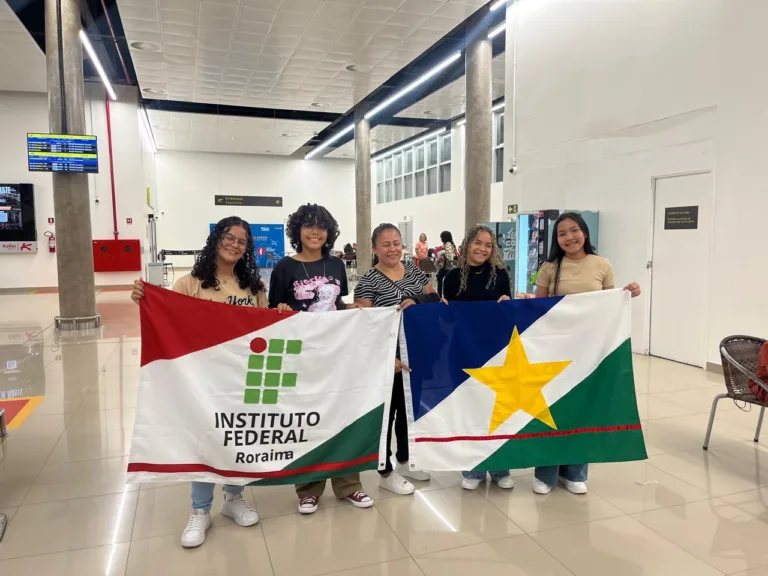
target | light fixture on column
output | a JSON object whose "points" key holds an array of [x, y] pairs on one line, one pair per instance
{"points": [[498, 4], [496, 31], [97, 64], [415, 84], [330, 141]]}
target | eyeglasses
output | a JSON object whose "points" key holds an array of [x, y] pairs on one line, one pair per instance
{"points": [[229, 239]]}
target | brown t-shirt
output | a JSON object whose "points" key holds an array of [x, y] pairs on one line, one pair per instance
{"points": [[591, 274], [228, 292]]}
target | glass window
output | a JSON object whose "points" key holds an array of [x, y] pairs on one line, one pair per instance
{"points": [[398, 164], [388, 191], [408, 186], [388, 168], [432, 179], [420, 157], [398, 188], [500, 129], [498, 165], [380, 193], [419, 181], [432, 153], [445, 177], [445, 150], [408, 155]]}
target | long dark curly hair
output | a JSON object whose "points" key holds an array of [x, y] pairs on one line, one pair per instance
{"points": [[312, 215], [494, 261], [246, 270]]}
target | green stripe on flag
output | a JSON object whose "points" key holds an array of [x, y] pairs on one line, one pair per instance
{"points": [[590, 419], [359, 440]]}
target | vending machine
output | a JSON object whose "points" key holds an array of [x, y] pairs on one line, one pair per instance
{"points": [[535, 232]]}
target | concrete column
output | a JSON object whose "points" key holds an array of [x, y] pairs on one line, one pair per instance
{"points": [[74, 253], [363, 192], [477, 154]]}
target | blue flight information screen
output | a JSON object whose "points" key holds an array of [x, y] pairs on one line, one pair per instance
{"points": [[62, 153]]}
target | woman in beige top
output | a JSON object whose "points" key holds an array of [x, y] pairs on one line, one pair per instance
{"points": [[572, 268], [225, 272]]}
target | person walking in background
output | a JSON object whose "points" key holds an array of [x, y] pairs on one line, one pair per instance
{"points": [[314, 281], [480, 276], [393, 283], [421, 252], [572, 268], [224, 272], [447, 259]]}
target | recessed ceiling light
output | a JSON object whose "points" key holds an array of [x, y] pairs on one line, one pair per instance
{"points": [[352, 68], [156, 91], [145, 46], [320, 104]]}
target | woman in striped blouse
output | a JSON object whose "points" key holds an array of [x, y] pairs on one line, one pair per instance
{"points": [[393, 283]]}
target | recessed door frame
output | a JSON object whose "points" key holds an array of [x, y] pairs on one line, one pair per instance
{"points": [[649, 269]]}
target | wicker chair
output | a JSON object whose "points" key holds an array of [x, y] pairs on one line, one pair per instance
{"points": [[739, 355]]}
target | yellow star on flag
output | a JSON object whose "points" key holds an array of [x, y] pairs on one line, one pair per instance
{"points": [[518, 384]]}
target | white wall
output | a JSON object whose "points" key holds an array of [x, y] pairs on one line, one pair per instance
{"points": [[444, 211], [21, 113], [188, 181], [612, 94]]}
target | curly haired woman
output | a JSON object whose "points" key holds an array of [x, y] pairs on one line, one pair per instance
{"points": [[314, 281], [481, 275], [225, 272]]}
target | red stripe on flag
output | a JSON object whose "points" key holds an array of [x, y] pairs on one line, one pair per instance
{"points": [[547, 434], [186, 468], [174, 325]]}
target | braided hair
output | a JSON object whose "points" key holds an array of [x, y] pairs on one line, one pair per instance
{"points": [[246, 271], [495, 260]]}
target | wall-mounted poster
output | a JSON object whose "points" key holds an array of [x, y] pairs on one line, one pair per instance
{"points": [[18, 231]]}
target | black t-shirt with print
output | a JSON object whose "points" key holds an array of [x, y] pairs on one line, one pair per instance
{"points": [[309, 286]]}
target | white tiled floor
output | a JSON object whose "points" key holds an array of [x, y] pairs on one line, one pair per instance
{"points": [[62, 484]]}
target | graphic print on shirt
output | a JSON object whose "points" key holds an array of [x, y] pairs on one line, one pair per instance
{"points": [[317, 294]]}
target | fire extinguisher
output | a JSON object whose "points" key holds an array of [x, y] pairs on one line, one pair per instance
{"points": [[51, 241]]}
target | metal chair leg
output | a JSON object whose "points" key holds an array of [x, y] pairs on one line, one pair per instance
{"points": [[759, 424], [712, 418], [3, 426]]}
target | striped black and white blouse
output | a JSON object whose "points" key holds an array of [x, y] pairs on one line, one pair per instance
{"points": [[382, 291]]}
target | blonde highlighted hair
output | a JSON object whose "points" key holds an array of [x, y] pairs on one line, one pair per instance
{"points": [[494, 260]]}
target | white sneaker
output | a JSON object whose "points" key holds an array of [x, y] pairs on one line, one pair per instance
{"points": [[540, 487], [397, 484], [506, 482], [420, 475], [235, 507], [194, 534], [470, 483], [574, 487]]}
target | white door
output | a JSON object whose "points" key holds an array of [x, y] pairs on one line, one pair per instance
{"points": [[680, 274]]}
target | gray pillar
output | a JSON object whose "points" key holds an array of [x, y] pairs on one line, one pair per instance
{"points": [[363, 192], [74, 253], [477, 154]]}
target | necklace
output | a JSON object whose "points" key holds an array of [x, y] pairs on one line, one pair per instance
{"points": [[307, 273]]}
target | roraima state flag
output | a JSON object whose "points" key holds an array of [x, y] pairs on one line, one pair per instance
{"points": [[522, 383], [238, 395]]}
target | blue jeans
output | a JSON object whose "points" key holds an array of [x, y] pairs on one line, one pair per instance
{"points": [[202, 494], [572, 472], [496, 475]]}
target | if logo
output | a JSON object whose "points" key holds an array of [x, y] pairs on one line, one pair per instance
{"points": [[265, 370]]}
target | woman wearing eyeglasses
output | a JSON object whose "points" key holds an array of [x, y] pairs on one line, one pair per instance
{"points": [[225, 272]]}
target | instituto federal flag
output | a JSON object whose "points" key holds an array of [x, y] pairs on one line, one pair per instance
{"points": [[238, 395], [522, 383]]}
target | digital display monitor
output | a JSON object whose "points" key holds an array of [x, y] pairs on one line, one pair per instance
{"points": [[17, 213], [62, 153]]}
